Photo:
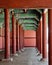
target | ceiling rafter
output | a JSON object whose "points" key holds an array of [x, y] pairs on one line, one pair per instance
{"points": [[29, 28], [29, 24], [38, 10], [18, 16], [29, 18]]}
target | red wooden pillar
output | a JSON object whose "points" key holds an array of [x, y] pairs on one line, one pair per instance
{"points": [[17, 36], [20, 39], [41, 36], [38, 38], [23, 38], [50, 35], [13, 34], [7, 34], [44, 36]]}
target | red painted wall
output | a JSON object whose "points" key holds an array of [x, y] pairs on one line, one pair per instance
{"points": [[2, 38], [2, 41], [29, 38]]}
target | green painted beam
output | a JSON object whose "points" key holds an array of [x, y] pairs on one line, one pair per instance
{"points": [[29, 28], [23, 10], [1, 20], [2, 15], [1, 24], [27, 16], [29, 25], [27, 21], [17, 11], [21, 15]]}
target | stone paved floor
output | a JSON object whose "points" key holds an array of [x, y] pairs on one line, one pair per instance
{"points": [[28, 57]]}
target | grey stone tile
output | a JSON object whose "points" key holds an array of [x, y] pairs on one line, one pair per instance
{"points": [[28, 57]]}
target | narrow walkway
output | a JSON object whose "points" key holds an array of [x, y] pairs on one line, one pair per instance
{"points": [[28, 57]]}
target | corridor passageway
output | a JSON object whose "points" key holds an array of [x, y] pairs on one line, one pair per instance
{"points": [[24, 38], [28, 57]]}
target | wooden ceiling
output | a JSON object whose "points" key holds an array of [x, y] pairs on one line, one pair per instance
{"points": [[27, 18], [26, 3]]}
